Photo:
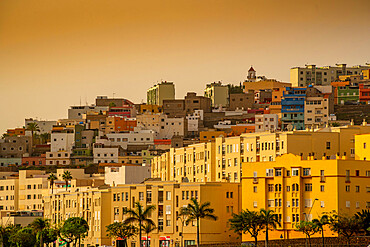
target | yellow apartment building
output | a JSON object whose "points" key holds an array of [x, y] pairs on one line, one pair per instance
{"points": [[93, 204], [169, 197], [9, 189], [362, 147], [225, 155], [103, 206], [31, 184], [194, 163], [297, 189]]}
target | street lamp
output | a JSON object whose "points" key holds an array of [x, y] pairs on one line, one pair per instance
{"points": [[182, 219], [309, 212]]}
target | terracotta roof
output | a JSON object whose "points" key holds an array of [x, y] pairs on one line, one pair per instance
{"points": [[251, 69]]}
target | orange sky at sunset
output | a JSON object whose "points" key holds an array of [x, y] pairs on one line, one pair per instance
{"points": [[52, 53]]}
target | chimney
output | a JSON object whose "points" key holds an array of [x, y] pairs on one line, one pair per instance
{"points": [[352, 123], [364, 123]]}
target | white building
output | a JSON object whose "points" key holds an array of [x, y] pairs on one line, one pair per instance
{"points": [[193, 121], [62, 141], [44, 125], [316, 112], [132, 138], [58, 158], [266, 122], [106, 154], [164, 126], [133, 174]]}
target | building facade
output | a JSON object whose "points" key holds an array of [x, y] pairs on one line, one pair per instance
{"points": [[162, 91], [312, 75], [299, 190]]}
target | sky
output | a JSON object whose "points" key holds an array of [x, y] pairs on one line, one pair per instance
{"points": [[54, 54]]}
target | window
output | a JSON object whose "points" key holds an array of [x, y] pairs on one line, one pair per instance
{"points": [[295, 187], [278, 172], [322, 188], [306, 171], [295, 171], [168, 209], [348, 204], [308, 187], [347, 176], [269, 172], [168, 195], [231, 194], [270, 203], [255, 204], [327, 145], [277, 187], [160, 225], [288, 188], [348, 188], [357, 188], [307, 203], [255, 189], [149, 196], [270, 188]]}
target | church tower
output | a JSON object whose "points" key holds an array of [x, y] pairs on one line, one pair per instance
{"points": [[251, 75]]}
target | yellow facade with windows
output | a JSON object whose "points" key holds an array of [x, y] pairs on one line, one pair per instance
{"points": [[362, 147], [297, 190], [225, 155], [105, 205]]}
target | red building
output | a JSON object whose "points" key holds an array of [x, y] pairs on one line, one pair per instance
{"points": [[124, 124], [34, 161], [364, 91]]}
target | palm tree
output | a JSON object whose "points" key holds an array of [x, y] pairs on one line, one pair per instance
{"points": [[38, 226], [320, 223], [364, 217], [45, 137], [66, 177], [52, 178], [120, 230], [148, 228], [33, 127], [269, 219], [3, 231], [247, 221], [195, 211], [140, 215], [309, 228]]}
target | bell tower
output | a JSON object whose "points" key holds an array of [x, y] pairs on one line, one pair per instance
{"points": [[251, 74]]}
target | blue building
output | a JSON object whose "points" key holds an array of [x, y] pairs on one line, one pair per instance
{"points": [[292, 108]]}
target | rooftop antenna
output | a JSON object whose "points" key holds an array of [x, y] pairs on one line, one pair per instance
{"points": [[80, 100], [113, 95]]}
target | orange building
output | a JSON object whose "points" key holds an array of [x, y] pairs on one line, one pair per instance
{"points": [[237, 130], [124, 124], [118, 123], [210, 135], [16, 132], [275, 107]]}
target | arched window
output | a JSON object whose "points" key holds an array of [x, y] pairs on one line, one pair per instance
{"points": [[277, 187], [295, 187]]}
